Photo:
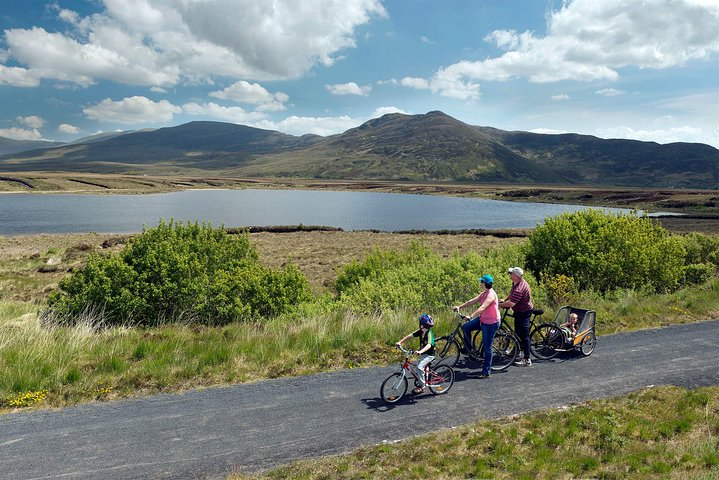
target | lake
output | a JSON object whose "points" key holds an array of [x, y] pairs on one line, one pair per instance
{"points": [[64, 213]]}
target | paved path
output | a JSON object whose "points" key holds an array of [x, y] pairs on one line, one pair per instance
{"points": [[206, 433]]}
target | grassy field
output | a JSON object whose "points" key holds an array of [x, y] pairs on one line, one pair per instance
{"points": [[657, 433], [78, 364], [663, 432]]}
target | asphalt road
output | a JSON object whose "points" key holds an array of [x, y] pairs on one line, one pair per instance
{"points": [[208, 433]]}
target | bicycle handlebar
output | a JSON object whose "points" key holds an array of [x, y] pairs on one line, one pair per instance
{"points": [[404, 350]]}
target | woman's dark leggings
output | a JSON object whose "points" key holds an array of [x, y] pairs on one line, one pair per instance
{"points": [[521, 326]]}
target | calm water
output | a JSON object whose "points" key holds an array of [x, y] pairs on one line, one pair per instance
{"points": [[38, 213]]}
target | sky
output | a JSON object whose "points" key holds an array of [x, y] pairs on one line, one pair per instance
{"points": [[640, 69]]}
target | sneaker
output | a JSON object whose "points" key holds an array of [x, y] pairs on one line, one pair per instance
{"points": [[524, 362], [483, 376]]}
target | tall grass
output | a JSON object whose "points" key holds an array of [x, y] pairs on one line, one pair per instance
{"points": [[74, 363], [71, 363]]}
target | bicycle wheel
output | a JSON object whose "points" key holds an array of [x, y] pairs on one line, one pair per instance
{"points": [[546, 340], [505, 348], [447, 351], [393, 388], [588, 344], [440, 379]]}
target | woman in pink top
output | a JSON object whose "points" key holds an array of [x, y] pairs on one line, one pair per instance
{"points": [[487, 315]]}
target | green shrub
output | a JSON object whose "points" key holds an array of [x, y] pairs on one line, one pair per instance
{"points": [[178, 272], [559, 290], [605, 251], [697, 273], [701, 248], [419, 279]]}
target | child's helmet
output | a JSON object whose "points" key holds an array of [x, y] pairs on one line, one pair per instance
{"points": [[426, 321]]}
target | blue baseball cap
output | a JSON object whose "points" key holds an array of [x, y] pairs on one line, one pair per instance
{"points": [[486, 279]]}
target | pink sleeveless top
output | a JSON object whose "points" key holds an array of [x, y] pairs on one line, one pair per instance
{"points": [[491, 314]]}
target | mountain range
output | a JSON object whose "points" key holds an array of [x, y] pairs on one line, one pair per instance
{"points": [[428, 147]]}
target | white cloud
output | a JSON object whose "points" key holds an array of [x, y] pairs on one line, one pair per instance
{"points": [[324, 126], [20, 134], [385, 110], [391, 81], [295, 125], [547, 131], [162, 42], [424, 39], [66, 15], [225, 114], [561, 96], [253, 93], [660, 135], [69, 129], [350, 88], [610, 92], [18, 77], [414, 82], [446, 82], [591, 40], [157, 89], [32, 121], [132, 110]]}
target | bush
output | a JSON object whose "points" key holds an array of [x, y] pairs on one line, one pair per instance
{"points": [[178, 272], [701, 248], [604, 251], [419, 279], [696, 273], [560, 290]]}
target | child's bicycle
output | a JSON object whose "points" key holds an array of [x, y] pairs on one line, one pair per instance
{"points": [[439, 379]]}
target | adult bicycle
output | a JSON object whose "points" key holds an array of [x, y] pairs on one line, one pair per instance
{"points": [[438, 378], [505, 347], [538, 333]]}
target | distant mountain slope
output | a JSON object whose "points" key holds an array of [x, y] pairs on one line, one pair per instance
{"points": [[617, 161], [9, 146], [100, 137], [433, 146], [199, 145]]}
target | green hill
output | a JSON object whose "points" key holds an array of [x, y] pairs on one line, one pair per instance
{"points": [[429, 147]]}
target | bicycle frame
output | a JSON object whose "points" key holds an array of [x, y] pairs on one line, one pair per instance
{"points": [[458, 334], [438, 379], [411, 367], [532, 325]]}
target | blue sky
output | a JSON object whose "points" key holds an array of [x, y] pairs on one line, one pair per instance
{"points": [[641, 69]]}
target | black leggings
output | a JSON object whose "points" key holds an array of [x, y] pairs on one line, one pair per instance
{"points": [[521, 326]]}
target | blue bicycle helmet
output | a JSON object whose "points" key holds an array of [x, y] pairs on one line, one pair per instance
{"points": [[487, 279], [426, 321]]}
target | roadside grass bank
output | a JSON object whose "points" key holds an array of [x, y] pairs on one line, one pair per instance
{"points": [[82, 364], [659, 432]]}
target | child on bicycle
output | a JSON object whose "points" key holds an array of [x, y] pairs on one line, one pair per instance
{"points": [[426, 347]]}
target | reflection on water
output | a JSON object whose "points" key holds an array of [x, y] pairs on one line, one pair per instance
{"points": [[43, 213]]}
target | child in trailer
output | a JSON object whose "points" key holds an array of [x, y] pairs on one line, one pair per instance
{"points": [[426, 347], [570, 327]]}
